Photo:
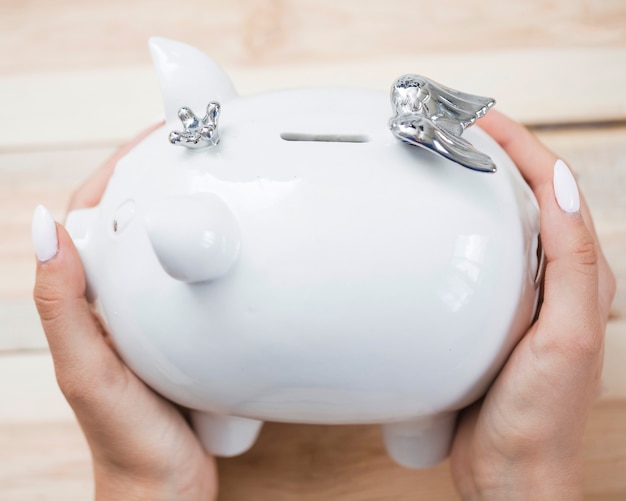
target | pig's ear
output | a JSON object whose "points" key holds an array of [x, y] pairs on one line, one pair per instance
{"points": [[188, 77]]}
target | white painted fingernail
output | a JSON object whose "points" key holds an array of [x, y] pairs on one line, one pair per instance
{"points": [[44, 230], [565, 188]]}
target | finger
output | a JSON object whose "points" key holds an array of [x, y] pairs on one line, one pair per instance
{"points": [[570, 309], [535, 162], [531, 156], [533, 159], [83, 360], [90, 192], [129, 429], [570, 244]]}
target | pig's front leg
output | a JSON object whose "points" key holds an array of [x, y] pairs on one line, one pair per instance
{"points": [[225, 436], [422, 442]]}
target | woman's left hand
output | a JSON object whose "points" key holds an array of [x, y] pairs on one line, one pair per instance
{"points": [[141, 444]]}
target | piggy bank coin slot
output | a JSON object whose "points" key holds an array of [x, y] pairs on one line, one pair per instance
{"points": [[325, 138]]}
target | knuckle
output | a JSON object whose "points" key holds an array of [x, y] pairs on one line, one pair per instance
{"points": [[48, 300], [75, 388], [80, 393], [589, 343], [88, 385], [579, 339], [585, 252]]}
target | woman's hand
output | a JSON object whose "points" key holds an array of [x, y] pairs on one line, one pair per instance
{"points": [[142, 446], [524, 439]]}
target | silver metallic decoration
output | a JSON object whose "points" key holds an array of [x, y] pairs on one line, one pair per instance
{"points": [[198, 133], [433, 116]]}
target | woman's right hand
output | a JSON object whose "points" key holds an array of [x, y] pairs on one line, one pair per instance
{"points": [[524, 439]]}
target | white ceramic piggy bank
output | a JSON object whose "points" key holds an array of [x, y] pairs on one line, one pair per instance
{"points": [[300, 263]]}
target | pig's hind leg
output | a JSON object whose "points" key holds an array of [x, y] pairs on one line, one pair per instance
{"points": [[422, 442]]}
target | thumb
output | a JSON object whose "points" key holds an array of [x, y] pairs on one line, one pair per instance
{"points": [[571, 279], [82, 357]]}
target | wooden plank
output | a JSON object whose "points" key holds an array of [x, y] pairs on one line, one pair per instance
{"points": [[108, 106], [36, 398], [51, 461], [50, 35], [29, 390], [48, 462], [614, 370], [598, 156], [315, 462], [27, 179], [64, 60]]}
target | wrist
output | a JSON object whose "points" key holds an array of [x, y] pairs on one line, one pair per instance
{"points": [[116, 485], [553, 481]]}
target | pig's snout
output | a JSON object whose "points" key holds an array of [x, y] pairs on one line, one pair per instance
{"points": [[196, 238]]}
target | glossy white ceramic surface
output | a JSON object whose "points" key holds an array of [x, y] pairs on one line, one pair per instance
{"points": [[309, 281]]}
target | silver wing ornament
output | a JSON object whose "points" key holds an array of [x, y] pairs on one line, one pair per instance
{"points": [[198, 132], [432, 116]]}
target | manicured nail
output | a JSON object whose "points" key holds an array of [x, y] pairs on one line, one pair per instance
{"points": [[44, 234], [565, 188]]}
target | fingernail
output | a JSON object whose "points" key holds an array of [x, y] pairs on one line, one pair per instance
{"points": [[44, 234], [565, 188]]}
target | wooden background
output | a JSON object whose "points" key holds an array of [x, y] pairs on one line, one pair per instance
{"points": [[76, 81]]}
